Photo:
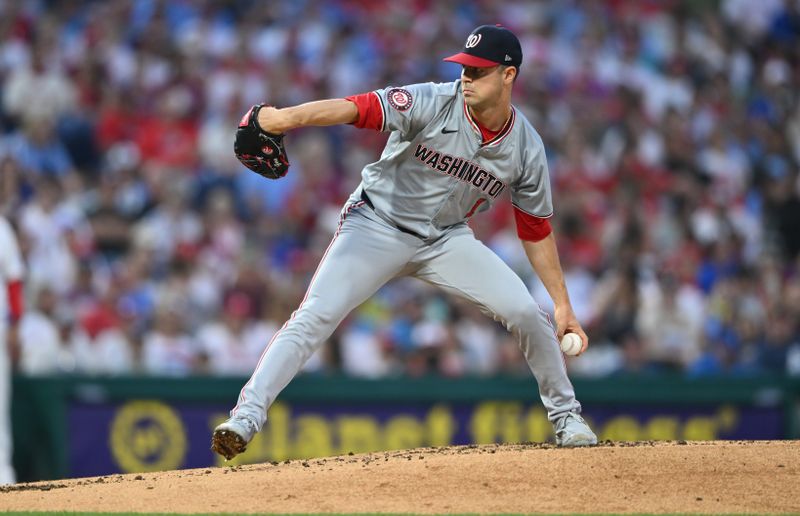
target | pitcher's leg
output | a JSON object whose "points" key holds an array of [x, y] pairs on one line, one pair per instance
{"points": [[361, 257], [462, 265]]}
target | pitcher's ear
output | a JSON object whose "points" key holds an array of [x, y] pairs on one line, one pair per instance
{"points": [[509, 70]]}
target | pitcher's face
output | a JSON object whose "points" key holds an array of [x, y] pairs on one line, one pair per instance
{"points": [[484, 86]]}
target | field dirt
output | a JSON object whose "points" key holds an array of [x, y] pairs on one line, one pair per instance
{"points": [[645, 477]]}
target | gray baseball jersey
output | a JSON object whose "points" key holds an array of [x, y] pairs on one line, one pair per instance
{"points": [[408, 218], [436, 172]]}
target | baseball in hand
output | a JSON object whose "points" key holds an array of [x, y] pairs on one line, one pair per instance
{"points": [[571, 343]]}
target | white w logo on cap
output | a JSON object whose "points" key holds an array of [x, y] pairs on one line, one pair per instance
{"points": [[473, 40]]}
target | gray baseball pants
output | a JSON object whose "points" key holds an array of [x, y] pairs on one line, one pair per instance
{"points": [[365, 253]]}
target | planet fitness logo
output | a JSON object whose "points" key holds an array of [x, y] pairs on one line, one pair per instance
{"points": [[400, 99], [147, 436]]}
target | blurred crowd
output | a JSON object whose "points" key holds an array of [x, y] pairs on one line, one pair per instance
{"points": [[672, 130]]}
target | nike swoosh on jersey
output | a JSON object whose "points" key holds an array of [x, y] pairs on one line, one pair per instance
{"points": [[448, 131]]}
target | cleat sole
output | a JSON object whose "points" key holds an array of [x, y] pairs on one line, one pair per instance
{"points": [[228, 444]]}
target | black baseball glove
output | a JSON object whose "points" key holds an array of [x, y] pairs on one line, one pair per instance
{"points": [[258, 150]]}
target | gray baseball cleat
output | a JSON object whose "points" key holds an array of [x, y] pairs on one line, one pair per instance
{"points": [[231, 437], [572, 431]]}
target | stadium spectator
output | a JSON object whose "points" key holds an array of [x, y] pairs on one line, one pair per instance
{"points": [[234, 343], [672, 131], [167, 348], [43, 350]]}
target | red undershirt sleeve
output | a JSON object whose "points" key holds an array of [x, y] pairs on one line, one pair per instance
{"points": [[530, 227], [370, 112], [15, 303]]}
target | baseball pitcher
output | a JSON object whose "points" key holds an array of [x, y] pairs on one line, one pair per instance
{"points": [[454, 148]]}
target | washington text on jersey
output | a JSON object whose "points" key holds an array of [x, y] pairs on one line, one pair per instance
{"points": [[461, 169]]}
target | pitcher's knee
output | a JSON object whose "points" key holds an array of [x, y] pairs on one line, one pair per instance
{"points": [[305, 333], [524, 317], [312, 324]]}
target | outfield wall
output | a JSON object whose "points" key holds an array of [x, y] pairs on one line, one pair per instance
{"points": [[74, 427]]}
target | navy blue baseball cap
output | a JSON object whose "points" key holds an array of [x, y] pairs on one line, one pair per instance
{"points": [[489, 45]]}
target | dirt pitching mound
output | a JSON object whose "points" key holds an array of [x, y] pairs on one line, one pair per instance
{"points": [[646, 477]]}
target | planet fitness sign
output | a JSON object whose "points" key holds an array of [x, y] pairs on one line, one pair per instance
{"points": [[151, 435]]}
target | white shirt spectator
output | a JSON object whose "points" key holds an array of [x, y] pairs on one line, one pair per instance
{"points": [[580, 287], [30, 93], [171, 355], [49, 227], [361, 353], [215, 142], [231, 354], [109, 353], [42, 351], [429, 333], [480, 346], [168, 227], [671, 322]]}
